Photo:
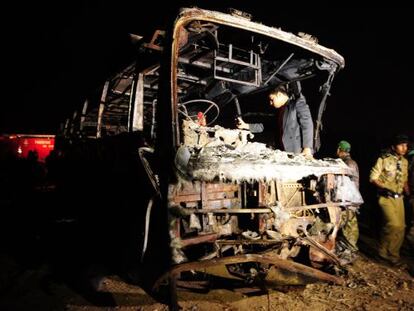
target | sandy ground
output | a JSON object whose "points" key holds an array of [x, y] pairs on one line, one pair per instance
{"points": [[370, 285]]}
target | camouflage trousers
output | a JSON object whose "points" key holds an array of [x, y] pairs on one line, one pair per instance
{"points": [[350, 230], [392, 233]]}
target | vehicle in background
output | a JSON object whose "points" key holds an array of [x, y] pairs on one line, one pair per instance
{"points": [[20, 145]]}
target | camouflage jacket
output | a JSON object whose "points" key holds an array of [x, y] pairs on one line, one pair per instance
{"points": [[391, 171], [355, 170]]}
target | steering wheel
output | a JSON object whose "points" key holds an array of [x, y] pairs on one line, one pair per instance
{"points": [[183, 109]]}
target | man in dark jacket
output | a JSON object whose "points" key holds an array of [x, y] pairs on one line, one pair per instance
{"points": [[295, 121]]}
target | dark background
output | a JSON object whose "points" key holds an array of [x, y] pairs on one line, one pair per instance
{"points": [[57, 53], [54, 54]]}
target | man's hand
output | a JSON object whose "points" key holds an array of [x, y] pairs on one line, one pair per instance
{"points": [[406, 189], [307, 152], [241, 125]]}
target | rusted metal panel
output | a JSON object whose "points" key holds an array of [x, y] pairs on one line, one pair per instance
{"points": [[187, 198], [225, 203], [210, 195], [292, 194], [220, 195], [204, 198], [262, 195], [222, 187]]}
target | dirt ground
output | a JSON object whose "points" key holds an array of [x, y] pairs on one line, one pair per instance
{"points": [[370, 285], [45, 264]]}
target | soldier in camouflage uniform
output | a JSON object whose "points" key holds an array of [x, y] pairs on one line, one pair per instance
{"points": [[389, 175], [350, 230]]}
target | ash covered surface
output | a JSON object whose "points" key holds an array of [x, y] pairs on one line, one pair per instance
{"points": [[255, 161]]}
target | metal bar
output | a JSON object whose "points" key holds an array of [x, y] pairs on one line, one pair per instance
{"points": [[101, 110], [248, 242], [210, 196], [83, 115], [237, 62], [138, 108], [265, 259], [206, 238], [202, 64], [321, 248], [262, 210], [278, 69], [233, 211]]}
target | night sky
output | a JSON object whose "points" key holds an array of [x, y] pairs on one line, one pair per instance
{"points": [[56, 54]]}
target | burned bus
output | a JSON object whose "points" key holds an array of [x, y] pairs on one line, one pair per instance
{"points": [[223, 202]]}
